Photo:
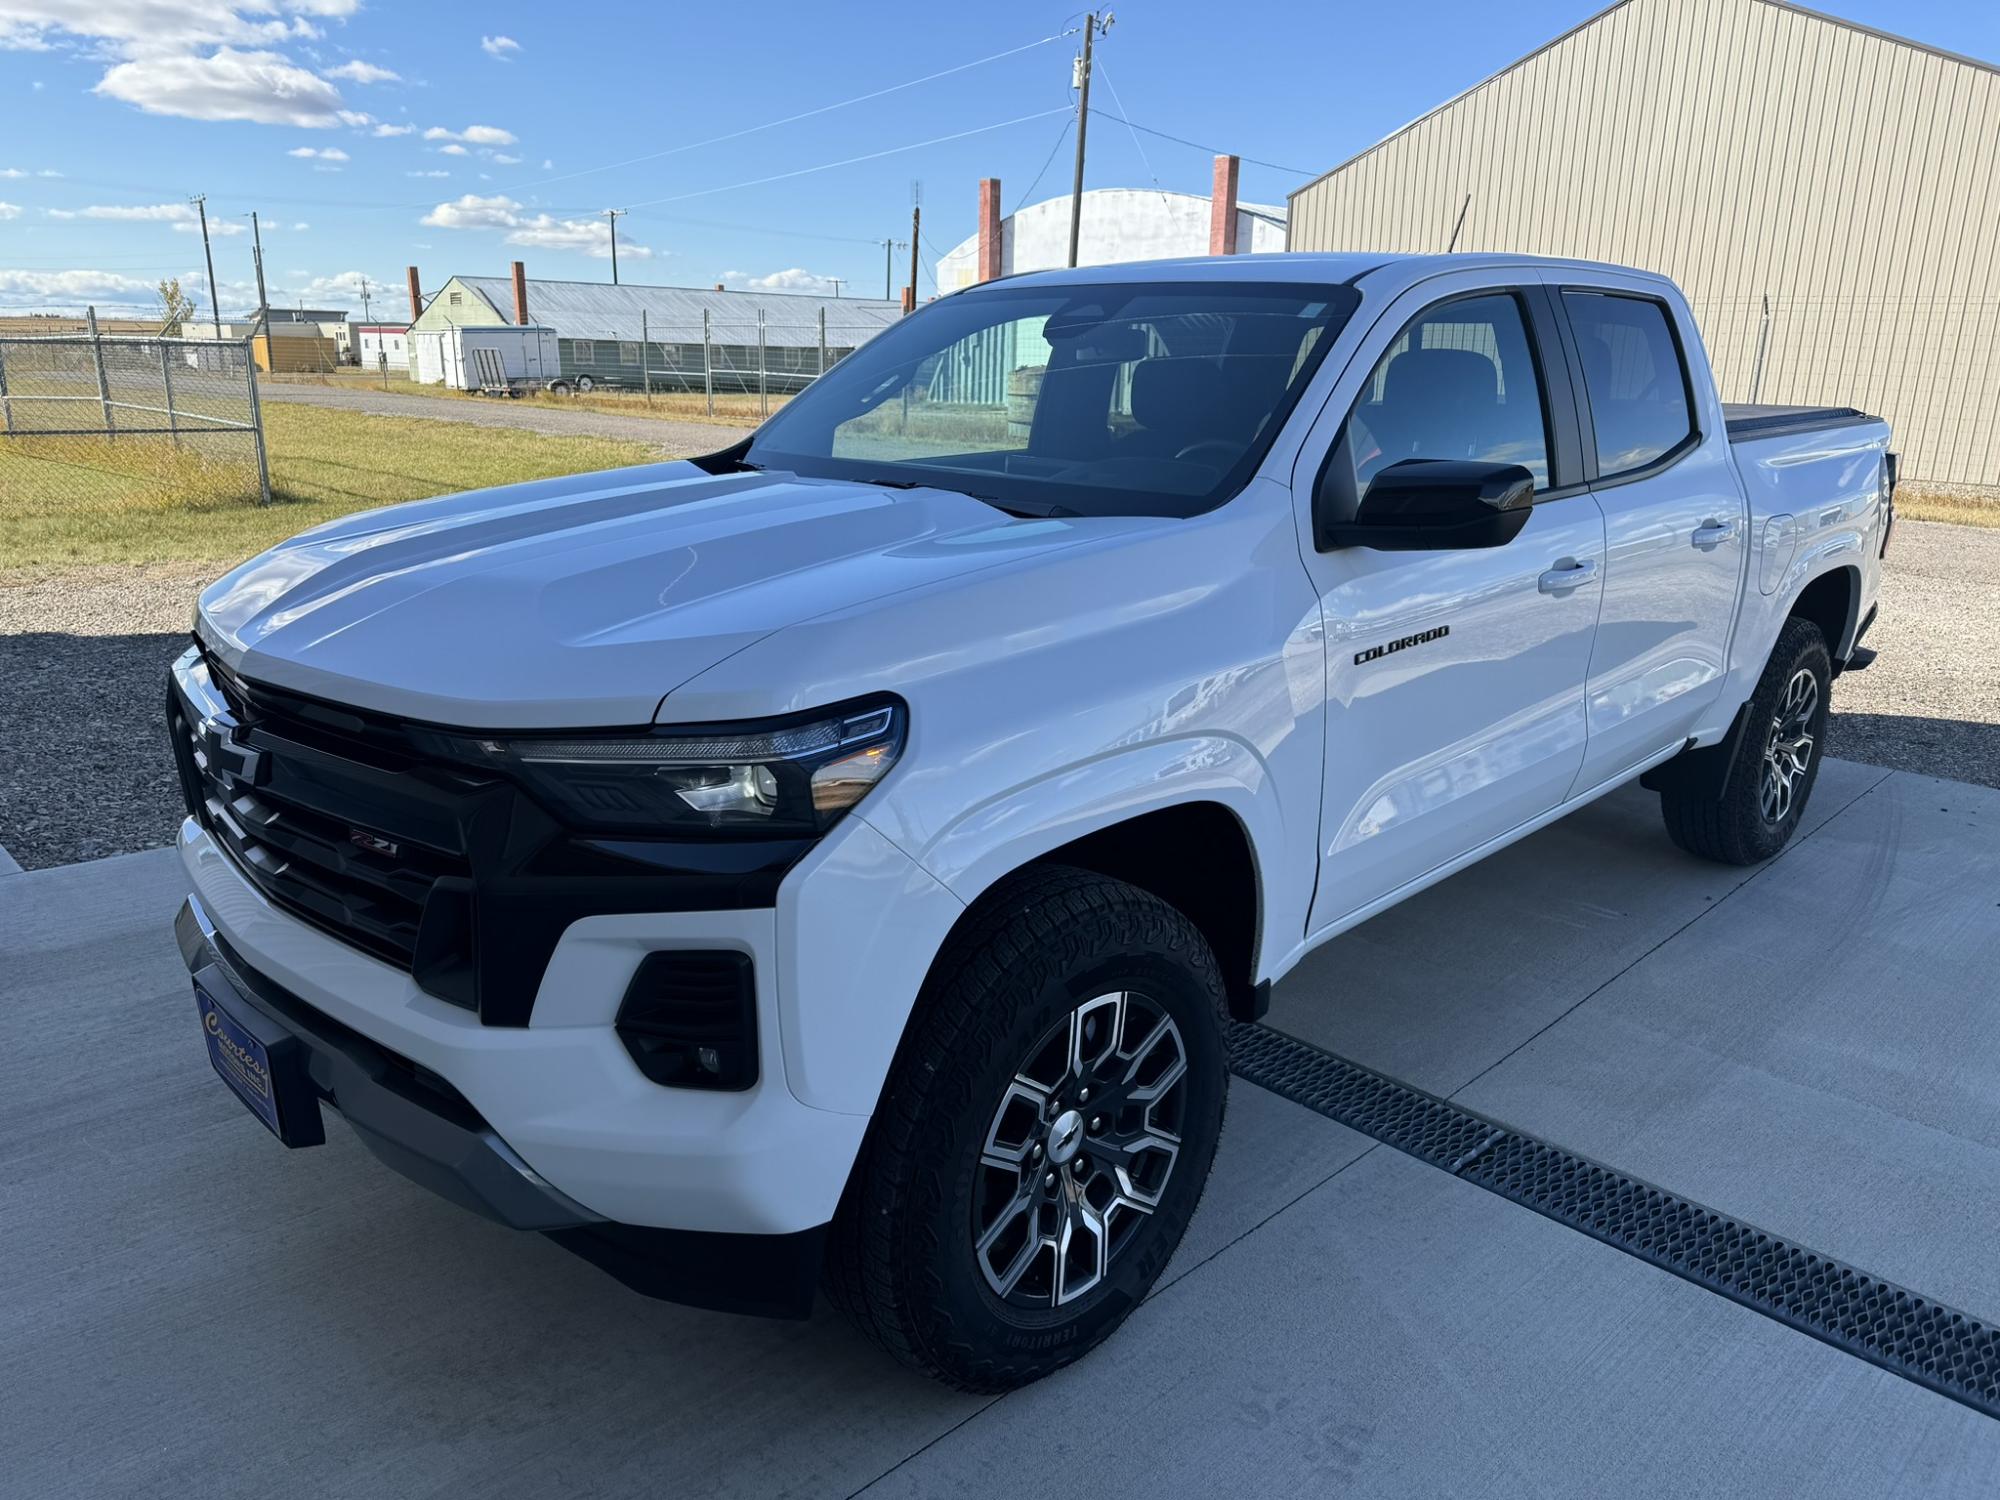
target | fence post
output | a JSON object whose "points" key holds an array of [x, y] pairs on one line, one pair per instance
{"points": [[103, 385], [707, 362], [646, 353], [167, 382], [257, 421], [763, 387], [1763, 343], [6, 403], [822, 341]]}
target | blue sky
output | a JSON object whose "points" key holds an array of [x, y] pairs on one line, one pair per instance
{"points": [[372, 135]]}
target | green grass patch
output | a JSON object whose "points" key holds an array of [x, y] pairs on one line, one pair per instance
{"points": [[669, 401], [65, 501]]}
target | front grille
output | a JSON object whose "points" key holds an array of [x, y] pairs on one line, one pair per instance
{"points": [[315, 817]]}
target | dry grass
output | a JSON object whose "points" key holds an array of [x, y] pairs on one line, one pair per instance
{"points": [[731, 410], [1914, 502], [99, 501]]}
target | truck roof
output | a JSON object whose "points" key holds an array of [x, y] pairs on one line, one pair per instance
{"points": [[1297, 266]]}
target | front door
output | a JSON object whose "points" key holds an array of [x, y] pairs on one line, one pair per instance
{"points": [[1455, 708]]}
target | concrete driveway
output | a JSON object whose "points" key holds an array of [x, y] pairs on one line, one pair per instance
{"points": [[189, 1309]]}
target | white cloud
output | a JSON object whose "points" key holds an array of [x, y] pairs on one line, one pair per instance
{"points": [[218, 229], [477, 135], [12, 172], [427, 174], [323, 153], [537, 231], [453, 150], [796, 279], [383, 132], [46, 172], [358, 71], [146, 212], [131, 27], [505, 160], [548, 165], [498, 46], [10, 210], [71, 287], [263, 87], [297, 227], [474, 212]]}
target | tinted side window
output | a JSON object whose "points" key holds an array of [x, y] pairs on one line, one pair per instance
{"points": [[1459, 382], [1633, 376]]}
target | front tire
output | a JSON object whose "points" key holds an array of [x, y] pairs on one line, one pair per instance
{"points": [[1776, 762], [1044, 1137]]}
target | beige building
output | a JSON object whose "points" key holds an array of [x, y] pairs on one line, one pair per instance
{"points": [[1827, 195]]}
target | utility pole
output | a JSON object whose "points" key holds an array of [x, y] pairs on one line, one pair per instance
{"points": [[836, 280], [200, 201], [364, 299], [611, 216], [263, 304], [916, 228], [1082, 123], [888, 269]]}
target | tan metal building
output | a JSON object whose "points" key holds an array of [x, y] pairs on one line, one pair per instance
{"points": [[1827, 195]]}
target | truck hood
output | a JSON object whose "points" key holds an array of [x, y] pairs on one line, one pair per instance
{"points": [[584, 601]]}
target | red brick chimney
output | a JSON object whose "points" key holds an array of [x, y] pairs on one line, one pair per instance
{"points": [[416, 296], [1222, 207], [989, 229], [520, 294], [720, 287]]}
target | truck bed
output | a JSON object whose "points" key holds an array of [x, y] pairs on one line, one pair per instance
{"points": [[1747, 423]]}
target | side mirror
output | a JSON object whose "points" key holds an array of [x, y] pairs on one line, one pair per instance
{"points": [[1436, 505]]}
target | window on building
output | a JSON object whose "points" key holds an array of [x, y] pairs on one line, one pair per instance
{"points": [[1634, 377], [583, 351], [1459, 382], [456, 298], [628, 354]]}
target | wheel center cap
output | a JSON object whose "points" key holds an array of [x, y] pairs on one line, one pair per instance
{"points": [[1065, 1136]]}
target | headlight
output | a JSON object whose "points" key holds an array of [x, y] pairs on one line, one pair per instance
{"points": [[790, 779]]}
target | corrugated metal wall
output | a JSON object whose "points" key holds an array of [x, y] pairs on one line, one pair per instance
{"points": [[1752, 151]]}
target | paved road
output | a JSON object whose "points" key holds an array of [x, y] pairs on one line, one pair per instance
{"points": [[679, 438], [185, 1308]]}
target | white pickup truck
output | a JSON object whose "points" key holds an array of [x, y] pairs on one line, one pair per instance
{"points": [[835, 861]]}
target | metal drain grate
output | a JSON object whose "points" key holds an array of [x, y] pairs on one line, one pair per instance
{"points": [[1914, 1337]]}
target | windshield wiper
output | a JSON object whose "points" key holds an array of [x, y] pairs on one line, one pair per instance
{"points": [[1025, 510]]}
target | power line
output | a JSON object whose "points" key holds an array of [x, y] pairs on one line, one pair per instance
{"points": [[808, 114], [1197, 145], [937, 140], [1148, 161], [1047, 162]]}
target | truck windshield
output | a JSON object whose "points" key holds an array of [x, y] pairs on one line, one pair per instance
{"points": [[1136, 398]]}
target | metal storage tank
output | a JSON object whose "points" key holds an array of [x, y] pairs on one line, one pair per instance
{"points": [[1827, 195]]}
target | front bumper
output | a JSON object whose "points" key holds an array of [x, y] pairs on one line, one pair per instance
{"points": [[418, 1124], [562, 1092]]}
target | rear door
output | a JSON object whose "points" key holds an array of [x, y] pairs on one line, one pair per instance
{"points": [[1658, 462], [1454, 677]]}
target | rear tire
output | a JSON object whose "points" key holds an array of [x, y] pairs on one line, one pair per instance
{"points": [[1044, 1136], [1776, 762]]}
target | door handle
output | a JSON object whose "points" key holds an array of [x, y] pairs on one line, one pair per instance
{"points": [[1712, 534], [1567, 576]]}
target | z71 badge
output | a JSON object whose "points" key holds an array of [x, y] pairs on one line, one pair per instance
{"points": [[1361, 658]]}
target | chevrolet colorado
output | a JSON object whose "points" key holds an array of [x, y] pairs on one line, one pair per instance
{"points": [[833, 862]]}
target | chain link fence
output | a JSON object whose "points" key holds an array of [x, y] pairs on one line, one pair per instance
{"points": [[103, 416], [739, 368]]}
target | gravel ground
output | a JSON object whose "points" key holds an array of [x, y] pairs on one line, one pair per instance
{"points": [[85, 772], [84, 765], [678, 438]]}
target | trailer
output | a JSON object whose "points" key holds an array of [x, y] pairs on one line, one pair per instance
{"points": [[504, 360]]}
